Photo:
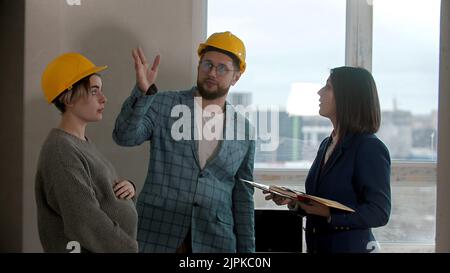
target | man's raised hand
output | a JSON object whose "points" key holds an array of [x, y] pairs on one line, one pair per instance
{"points": [[145, 75]]}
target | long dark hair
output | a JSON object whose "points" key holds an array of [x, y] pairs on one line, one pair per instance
{"points": [[357, 104]]}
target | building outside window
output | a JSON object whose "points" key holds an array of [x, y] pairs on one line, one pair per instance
{"points": [[406, 67]]}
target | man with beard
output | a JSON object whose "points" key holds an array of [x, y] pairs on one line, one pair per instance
{"points": [[192, 200]]}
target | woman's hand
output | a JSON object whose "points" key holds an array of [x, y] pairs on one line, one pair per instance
{"points": [[277, 199], [315, 208], [124, 189]]}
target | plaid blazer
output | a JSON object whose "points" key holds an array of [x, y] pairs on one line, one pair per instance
{"points": [[178, 196]]}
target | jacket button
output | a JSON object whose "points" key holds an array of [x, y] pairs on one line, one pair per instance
{"points": [[196, 204], [202, 174]]}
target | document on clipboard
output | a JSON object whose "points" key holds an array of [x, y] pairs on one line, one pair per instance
{"points": [[298, 195]]}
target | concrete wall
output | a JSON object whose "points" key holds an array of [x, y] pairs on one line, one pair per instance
{"points": [[11, 118], [105, 31]]}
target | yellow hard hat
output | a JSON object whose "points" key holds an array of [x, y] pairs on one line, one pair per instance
{"points": [[226, 41], [64, 71]]}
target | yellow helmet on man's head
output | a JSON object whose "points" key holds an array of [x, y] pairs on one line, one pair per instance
{"points": [[226, 41], [64, 71]]}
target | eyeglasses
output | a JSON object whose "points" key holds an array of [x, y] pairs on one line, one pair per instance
{"points": [[221, 69]]}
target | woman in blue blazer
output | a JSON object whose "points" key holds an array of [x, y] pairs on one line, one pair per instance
{"points": [[352, 167]]}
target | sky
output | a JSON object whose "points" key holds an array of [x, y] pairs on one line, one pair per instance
{"points": [[294, 43]]}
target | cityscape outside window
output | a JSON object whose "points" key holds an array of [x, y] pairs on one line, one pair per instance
{"points": [[289, 57], [406, 68]]}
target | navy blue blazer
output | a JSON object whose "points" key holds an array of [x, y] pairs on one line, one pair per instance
{"points": [[357, 174]]}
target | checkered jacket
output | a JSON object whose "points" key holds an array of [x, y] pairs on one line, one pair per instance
{"points": [[178, 196]]}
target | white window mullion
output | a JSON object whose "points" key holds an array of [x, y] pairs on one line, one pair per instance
{"points": [[358, 34]]}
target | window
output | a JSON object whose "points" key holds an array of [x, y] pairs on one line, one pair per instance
{"points": [[405, 67], [291, 45]]}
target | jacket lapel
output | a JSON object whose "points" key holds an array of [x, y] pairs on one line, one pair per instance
{"points": [[188, 100], [332, 160], [318, 168], [337, 153]]}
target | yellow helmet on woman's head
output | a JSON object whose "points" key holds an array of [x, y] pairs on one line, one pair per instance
{"points": [[226, 41], [64, 71]]}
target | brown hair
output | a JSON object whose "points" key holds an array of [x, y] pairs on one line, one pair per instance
{"points": [[357, 104], [78, 90]]}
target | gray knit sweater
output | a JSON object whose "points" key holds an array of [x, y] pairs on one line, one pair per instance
{"points": [[76, 201]]}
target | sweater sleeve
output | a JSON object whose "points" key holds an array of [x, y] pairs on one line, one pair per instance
{"points": [[74, 198]]}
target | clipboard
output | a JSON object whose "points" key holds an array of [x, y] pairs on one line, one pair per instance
{"points": [[298, 195]]}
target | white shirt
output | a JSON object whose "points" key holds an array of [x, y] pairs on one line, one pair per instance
{"points": [[210, 132]]}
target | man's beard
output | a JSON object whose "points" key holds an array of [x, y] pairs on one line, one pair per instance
{"points": [[207, 95]]}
